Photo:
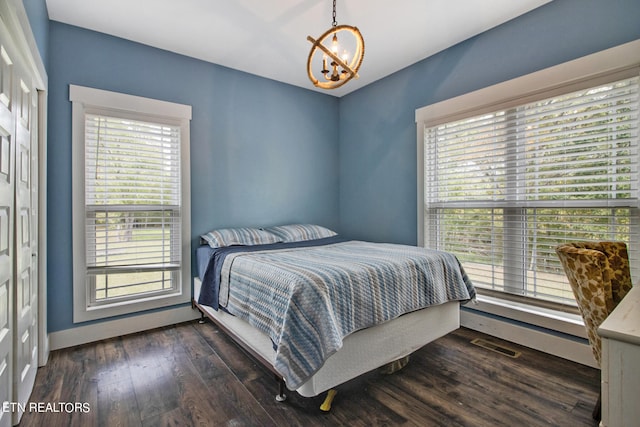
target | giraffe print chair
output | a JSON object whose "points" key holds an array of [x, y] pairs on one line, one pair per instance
{"points": [[599, 276]]}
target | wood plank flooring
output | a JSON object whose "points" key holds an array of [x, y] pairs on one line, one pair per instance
{"points": [[191, 374]]}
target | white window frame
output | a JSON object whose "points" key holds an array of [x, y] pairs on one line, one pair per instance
{"points": [[601, 67], [84, 100]]}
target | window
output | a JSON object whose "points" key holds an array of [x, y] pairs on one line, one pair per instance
{"points": [[131, 204], [505, 182]]}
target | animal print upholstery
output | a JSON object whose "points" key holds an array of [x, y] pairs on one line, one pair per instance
{"points": [[599, 276]]}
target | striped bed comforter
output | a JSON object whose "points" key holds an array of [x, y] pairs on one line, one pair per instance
{"points": [[309, 299]]}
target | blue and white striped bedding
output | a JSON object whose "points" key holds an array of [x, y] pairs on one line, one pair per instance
{"points": [[309, 299]]}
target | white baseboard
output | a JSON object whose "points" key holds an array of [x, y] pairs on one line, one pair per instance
{"points": [[115, 328], [529, 337]]}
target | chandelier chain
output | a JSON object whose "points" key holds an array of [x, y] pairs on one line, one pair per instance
{"points": [[334, 14]]}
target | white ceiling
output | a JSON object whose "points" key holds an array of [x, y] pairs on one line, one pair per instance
{"points": [[269, 37]]}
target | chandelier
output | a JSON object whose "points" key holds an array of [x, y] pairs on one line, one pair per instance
{"points": [[338, 64]]}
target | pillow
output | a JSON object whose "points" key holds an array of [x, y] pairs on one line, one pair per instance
{"points": [[245, 236], [301, 232]]}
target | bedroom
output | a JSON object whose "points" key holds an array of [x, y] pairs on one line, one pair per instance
{"points": [[358, 183]]}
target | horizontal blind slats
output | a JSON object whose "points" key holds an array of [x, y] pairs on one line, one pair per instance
{"points": [[132, 196], [503, 189]]}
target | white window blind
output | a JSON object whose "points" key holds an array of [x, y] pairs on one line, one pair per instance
{"points": [[132, 208], [502, 189]]}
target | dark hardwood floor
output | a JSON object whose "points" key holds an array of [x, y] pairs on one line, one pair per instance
{"points": [[191, 374]]}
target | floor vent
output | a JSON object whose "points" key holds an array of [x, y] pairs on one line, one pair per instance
{"points": [[497, 348]]}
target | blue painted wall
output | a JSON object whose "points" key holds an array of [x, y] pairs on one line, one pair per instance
{"points": [[265, 152], [262, 152], [39, 21], [378, 181]]}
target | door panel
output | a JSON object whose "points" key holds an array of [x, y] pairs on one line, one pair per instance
{"points": [[25, 326], [7, 165], [18, 225]]}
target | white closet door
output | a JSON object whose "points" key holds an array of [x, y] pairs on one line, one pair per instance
{"points": [[25, 362], [18, 232], [7, 198]]}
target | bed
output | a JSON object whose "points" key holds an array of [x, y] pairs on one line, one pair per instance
{"points": [[319, 310]]}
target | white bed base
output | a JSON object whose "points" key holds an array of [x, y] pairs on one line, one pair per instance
{"points": [[362, 351]]}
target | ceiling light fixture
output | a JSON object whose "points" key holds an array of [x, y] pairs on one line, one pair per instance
{"points": [[340, 69]]}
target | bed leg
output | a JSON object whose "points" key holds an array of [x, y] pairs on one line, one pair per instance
{"points": [[202, 318], [326, 405], [281, 397]]}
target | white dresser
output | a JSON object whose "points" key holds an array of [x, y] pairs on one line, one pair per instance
{"points": [[620, 334]]}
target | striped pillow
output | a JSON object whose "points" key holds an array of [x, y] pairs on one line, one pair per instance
{"points": [[301, 232], [243, 236]]}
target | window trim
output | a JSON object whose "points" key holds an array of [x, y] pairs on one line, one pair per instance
{"points": [[84, 100], [612, 64]]}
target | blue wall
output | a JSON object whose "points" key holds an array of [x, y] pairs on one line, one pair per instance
{"points": [[378, 181], [39, 21], [265, 152], [262, 152]]}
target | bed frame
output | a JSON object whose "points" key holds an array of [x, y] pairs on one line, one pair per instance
{"points": [[362, 351]]}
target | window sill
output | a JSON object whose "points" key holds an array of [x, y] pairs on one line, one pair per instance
{"points": [[84, 314], [554, 320]]}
